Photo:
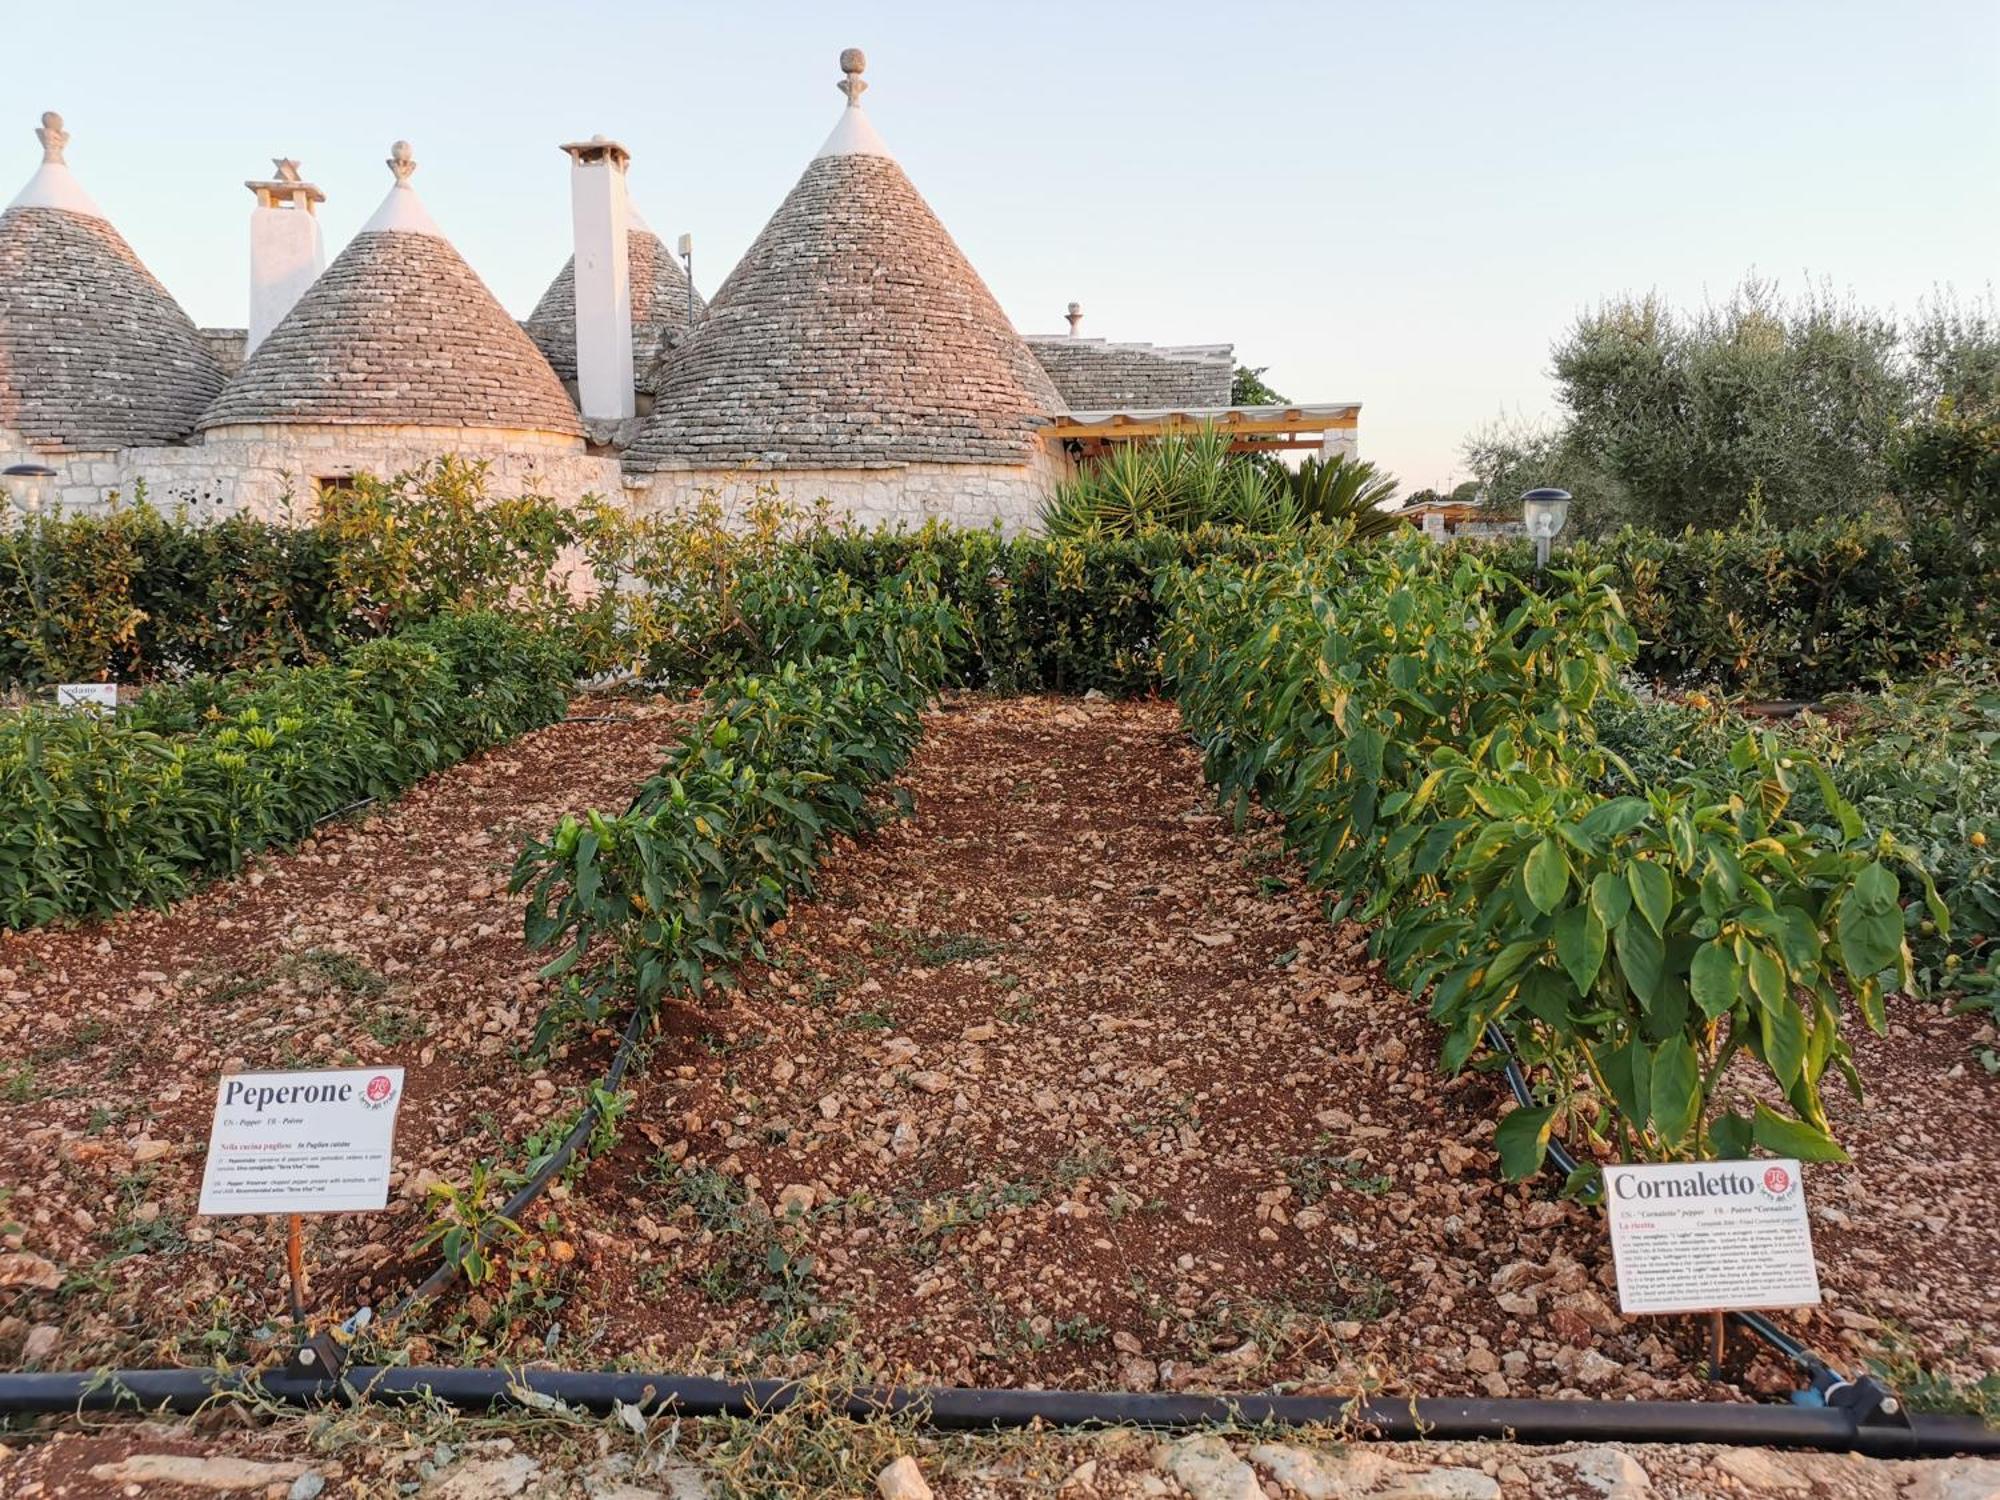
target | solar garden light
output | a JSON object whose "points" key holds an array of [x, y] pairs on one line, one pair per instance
{"points": [[1545, 512], [28, 486]]}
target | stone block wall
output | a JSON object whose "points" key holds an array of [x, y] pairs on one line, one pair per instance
{"points": [[972, 495], [270, 472]]}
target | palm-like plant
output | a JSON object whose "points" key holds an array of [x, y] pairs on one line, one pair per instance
{"points": [[1185, 481], [1342, 489]]}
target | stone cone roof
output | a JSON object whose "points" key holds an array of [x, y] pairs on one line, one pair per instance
{"points": [[853, 334], [94, 352], [398, 331], [659, 310]]}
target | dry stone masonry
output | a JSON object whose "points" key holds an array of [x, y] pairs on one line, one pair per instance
{"points": [[854, 355]]}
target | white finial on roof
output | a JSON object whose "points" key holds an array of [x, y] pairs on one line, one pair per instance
{"points": [[53, 137], [853, 136], [52, 186], [402, 212], [1075, 316]]}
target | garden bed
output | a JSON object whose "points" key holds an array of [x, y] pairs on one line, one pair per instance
{"points": [[390, 938], [1065, 1081]]}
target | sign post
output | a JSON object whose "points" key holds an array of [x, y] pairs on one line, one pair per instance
{"points": [[1711, 1237], [300, 1143]]}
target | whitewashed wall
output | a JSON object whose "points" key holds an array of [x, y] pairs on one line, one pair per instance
{"points": [[972, 495]]}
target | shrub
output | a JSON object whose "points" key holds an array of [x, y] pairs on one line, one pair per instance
{"points": [[133, 595], [1436, 762], [1796, 614], [1921, 761], [646, 903], [1187, 482], [100, 814]]}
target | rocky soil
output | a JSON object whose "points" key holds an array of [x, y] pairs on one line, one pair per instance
{"points": [[1065, 1081], [368, 1455], [1068, 1082], [389, 938]]}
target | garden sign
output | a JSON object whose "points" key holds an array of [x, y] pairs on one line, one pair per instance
{"points": [[1711, 1236], [302, 1143]]}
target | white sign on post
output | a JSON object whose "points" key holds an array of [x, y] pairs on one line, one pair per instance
{"points": [[98, 697], [1711, 1236], [302, 1143]]}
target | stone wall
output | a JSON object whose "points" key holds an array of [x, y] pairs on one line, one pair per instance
{"points": [[270, 471], [973, 495]]}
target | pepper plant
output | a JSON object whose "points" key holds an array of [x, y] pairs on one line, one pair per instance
{"points": [[1437, 765]]}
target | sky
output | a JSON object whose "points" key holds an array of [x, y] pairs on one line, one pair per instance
{"points": [[1401, 204]]}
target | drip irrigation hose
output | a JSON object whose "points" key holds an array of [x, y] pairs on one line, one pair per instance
{"points": [[1833, 1428], [1824, 1380], [515, 1206], [342, 811]]}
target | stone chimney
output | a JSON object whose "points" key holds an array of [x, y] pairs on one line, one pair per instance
{"points": [[286, 251], [601, 218], [1075, 316]]}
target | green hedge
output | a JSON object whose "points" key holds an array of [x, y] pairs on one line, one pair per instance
{"points": [[1044, 615], [100, 814], [1797, 614], [133, 596], [139, 597]]}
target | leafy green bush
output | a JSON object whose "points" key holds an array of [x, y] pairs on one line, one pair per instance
{"points": [[1435, 759], [1921, 761], [100, 814], [134, 595], [1796, 614], [648, 902], [1043, 614]]}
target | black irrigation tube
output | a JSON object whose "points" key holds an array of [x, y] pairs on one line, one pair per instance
{"points": [[515, 1206], [1835, 1429]]}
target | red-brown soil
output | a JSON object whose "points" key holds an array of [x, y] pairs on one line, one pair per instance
{"points": [[389, 937], [1068, 1082], [1064, 1081]]}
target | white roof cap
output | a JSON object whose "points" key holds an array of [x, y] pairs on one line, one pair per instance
{"points": [[853, 136], [52, 186], [402, 212]]}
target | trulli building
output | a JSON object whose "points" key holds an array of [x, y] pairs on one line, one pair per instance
{"points": [[854, 354]]}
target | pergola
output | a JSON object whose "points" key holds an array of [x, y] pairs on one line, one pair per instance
{"points": [[1327, 427]]}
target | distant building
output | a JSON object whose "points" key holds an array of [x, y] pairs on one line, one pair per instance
{"points": [[854, 354], [1442, 519]]}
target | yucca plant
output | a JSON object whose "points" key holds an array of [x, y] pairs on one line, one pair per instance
{"points": [[1180, 482], [1340, 489], [1184, 482]]}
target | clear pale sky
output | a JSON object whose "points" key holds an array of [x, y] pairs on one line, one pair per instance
{"points": [[1400, 203]]}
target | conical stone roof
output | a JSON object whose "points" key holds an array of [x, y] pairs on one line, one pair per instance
{"points": [[94, 353], [398, 331], [853, 334], [659, 309]]}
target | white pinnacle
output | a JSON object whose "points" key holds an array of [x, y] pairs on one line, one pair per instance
{"points": [[402, 212], [853, 136], [52, 186]]}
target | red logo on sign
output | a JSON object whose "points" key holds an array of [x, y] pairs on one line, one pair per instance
{"points": [[1777, 1180], [379, 1086]]}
